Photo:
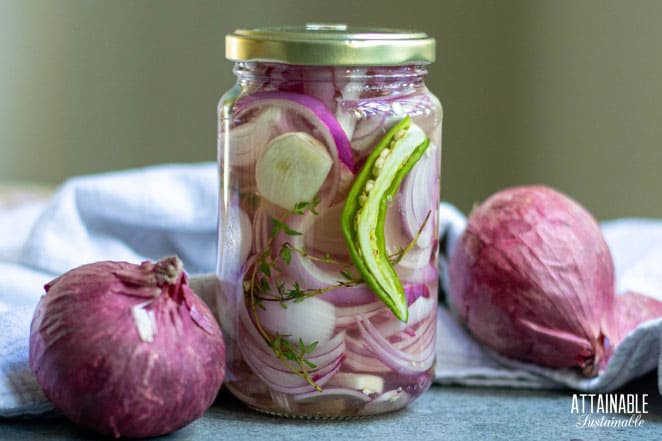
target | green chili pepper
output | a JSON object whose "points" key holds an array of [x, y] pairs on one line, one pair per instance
{"points": [[365, 210]]}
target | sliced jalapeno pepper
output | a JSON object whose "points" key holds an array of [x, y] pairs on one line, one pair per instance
{"points": [[365, 210]]}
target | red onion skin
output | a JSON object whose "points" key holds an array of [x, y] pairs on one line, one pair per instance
{"points": [[630, 310], [92, 364], [533, 279]]}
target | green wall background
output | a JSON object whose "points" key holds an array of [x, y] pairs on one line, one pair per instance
{"points": [[563, 93]]}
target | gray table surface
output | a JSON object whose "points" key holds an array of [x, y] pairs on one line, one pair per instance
{"points": [[443, 413]]}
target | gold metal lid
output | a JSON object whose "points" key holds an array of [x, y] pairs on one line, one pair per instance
{"points": [[330, 45]]}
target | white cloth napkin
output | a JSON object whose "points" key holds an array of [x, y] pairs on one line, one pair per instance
{"points": [[148, 213]]}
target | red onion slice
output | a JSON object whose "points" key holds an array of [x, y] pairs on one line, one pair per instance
{"points": [[421, 309], [332, 393], [287, 382], [319, 356], [419, 196], [387, 402], [320, 84], [416, 333], [415, 207], [324, 355], [345, 297], [346, 316], [311, 320], [269, 369], [416, 295], [250, 138], [427, 114], [236, 235], [358, 362], [312, 275], [414, 292], [360, 354], [418, 275], [368, 384], [421, 336], [315, 112], [325, 234], [369, 130], [332, 357], [262, 225], [231, 262], [377, 115], [396, 359], [350, 90]]}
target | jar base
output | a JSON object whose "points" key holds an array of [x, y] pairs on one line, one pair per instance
{"points": [[310, 417], [337, 409]]}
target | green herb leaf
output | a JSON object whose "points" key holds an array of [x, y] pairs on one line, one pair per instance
{"points": [[310, 348], [300, 207], [316, 202], [290, 231], [264, 285], [264, 269], [259, 304], [296, 293], [276, 343], [286, 254], [346, 275], [278, 225]]}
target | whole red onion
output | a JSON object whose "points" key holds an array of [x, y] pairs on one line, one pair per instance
{"points": [[125, 349], [533, 279]]}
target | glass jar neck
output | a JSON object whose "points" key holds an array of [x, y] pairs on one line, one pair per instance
{"points": [[289, 77]]}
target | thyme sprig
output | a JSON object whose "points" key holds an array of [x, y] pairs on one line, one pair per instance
{"points": [[297, 295], [326, 258], [395, 258], [292, 356]]}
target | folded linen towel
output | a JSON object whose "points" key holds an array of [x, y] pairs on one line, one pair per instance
{"points": [[171, 209]]}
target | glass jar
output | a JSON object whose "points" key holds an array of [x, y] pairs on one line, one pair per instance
{"points": [[329, 151]]}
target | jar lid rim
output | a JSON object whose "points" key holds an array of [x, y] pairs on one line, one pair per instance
{"points": [[330, 44]]}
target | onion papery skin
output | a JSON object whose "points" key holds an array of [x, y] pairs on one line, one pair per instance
{"points": [[631, 309], [92, 363], [533, 279]]}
